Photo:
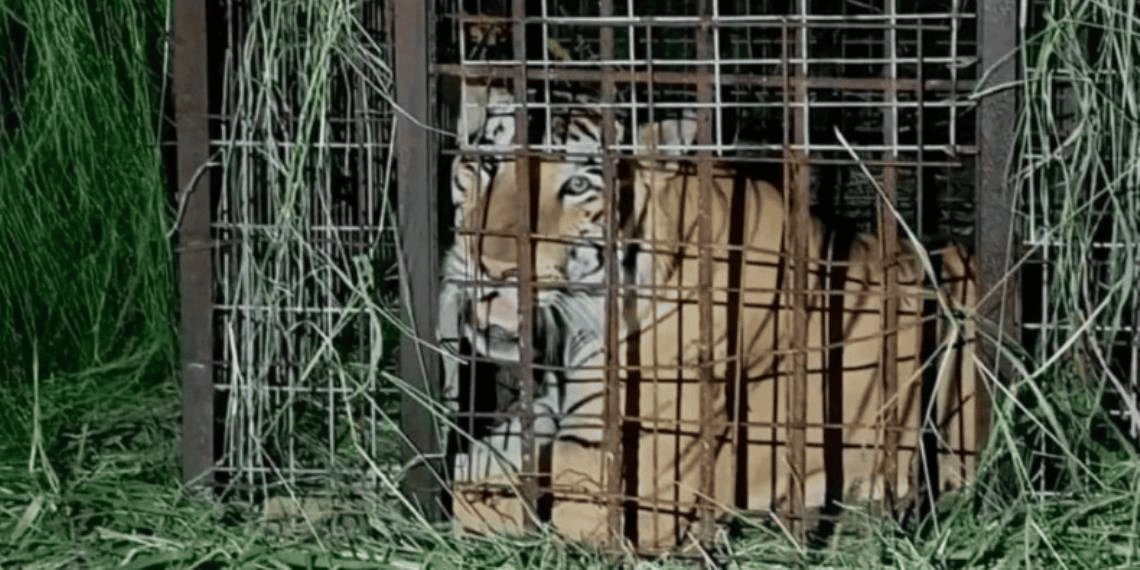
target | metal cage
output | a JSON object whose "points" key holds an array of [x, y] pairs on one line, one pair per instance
{"points": [[287, 249], [280, 352], [804, 94]]}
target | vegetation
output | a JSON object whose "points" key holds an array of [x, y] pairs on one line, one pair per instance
{"points": [[89, 408]]}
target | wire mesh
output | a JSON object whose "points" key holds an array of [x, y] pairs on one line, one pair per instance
{"points": [[768, 85], [305, 256], [1071, 312]]}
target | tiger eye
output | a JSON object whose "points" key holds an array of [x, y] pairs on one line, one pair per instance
{"points": [[576, 185]]}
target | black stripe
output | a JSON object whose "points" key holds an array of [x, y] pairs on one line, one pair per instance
{"points": [[544, 504], [928, 475], [736, 409], [631, 429], [837, 250]]}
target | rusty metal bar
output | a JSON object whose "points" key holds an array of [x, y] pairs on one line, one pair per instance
{"points": [[670, 423], [417, 226], [613, 428], [928, 480], [797, 198], [924, 208], [810, 161], [736, 389], [997, 41], [195, 264], [526, 174], [819, 21], [888, 233], [708, 428], [660, 77], [653, 487], [787, 185]]}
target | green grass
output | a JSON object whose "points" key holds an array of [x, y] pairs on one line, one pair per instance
{"points": [[86, 278], [90, 426]]}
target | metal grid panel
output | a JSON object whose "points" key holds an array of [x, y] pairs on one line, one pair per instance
{"points": [[1052, 319], [304, 249], [850, 69], [769, 83]]}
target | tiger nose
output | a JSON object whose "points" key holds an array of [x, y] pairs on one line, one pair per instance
{"points": [[499, 309], [551, 264]]}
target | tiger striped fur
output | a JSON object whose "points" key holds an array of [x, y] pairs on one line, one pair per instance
{"points": [[660, 346]]}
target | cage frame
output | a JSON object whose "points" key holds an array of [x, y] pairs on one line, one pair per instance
{"points": [[415, 80]]}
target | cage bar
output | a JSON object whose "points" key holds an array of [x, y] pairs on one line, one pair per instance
{"points": [[622, 77], [614, 430], [526, 167], [417, 216], [796, 200], [705, 363], [195, 252], [997, 42], [889, 232]]}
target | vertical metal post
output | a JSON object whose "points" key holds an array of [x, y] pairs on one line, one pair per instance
{"points": [[888, 233], [928, 480], [525, 179], [707, 459], [195, 269], [796, 199], [997, 40], [614, 427], [889, 366], [417, 222]]}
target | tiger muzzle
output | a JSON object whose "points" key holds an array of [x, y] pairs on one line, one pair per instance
{"points": [[495, 320]]}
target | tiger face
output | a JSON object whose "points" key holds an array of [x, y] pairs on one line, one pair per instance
{"points": [[567, 225], [569, 211]]}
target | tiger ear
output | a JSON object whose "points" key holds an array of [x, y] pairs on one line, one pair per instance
{"points": [[486, 123], [669, 138], [486, 118], [560, 133]]}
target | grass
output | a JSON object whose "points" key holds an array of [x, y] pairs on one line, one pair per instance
{"points": [[90, 425], [86, 279]]}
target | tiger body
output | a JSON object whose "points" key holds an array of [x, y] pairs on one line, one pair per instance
{"points": [[660, 349]]}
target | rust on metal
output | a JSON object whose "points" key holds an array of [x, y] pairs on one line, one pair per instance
{"points": [[813, 309], [709, 424], [796, 200], [890, 307], [417, 226], [526, 179], [195, 268], [613, 455], [661, 77], [836, 280]]}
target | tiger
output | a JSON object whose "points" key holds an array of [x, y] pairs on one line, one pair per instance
{"points": [[659, 345]]}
